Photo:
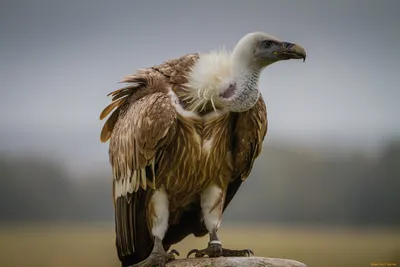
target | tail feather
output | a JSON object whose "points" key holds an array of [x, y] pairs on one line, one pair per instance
{"points": [[134, 241]]}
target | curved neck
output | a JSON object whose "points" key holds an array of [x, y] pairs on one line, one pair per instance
{"points": [[247, 78], [246, 75], [246, 70]]}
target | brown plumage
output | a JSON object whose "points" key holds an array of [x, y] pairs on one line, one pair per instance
{"points": [[157, 144]]}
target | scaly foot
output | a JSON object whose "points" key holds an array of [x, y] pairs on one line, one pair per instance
{"points": [[216, 250], [158, 257]]}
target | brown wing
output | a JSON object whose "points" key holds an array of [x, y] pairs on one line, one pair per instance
{"points": [[248, 130], [144, 82], [136, 143], [148, 124], [249, 133], [142, 123]]}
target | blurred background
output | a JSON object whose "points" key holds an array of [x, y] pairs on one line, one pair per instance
{"points": [[325, 190]]}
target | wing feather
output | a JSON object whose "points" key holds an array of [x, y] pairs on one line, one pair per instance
{"points": [[132, 139], [142, 124], [134, 153], [249, 133], [109, 125], [110, 107]]}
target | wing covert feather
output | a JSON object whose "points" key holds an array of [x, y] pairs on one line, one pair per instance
{"points": [[142, 123], [148, 124], [249, 133]]}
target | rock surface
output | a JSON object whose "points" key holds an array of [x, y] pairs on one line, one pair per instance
{"points": [[235, 262]]}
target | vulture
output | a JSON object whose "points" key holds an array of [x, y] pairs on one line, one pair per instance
{"points": [[183, 136]]}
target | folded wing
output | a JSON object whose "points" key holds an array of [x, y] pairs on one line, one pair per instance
{"points": [[143, 129]]}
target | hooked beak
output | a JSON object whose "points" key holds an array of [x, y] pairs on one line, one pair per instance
{"points": [[290, 51]]}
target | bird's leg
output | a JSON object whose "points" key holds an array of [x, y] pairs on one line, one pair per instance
{"points": [[212, 203], [158, 216]]}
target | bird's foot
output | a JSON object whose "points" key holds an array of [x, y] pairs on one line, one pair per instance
{"points": [[157, 259], [216, 250]]}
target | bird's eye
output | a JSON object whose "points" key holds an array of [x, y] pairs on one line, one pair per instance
{"points": [[268, 44]]}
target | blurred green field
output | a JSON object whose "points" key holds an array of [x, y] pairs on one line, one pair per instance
{"points": [[93, 245]]}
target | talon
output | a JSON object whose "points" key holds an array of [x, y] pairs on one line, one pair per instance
{"points": [[251, 253], [248, 252], [174, 251], [217, 251], [159, 259], [191, 252]]}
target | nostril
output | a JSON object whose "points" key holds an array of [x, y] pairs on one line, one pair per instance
{"points": [[287, 45]]}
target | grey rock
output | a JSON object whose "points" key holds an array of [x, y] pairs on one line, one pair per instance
{"points": [[235, 262]]}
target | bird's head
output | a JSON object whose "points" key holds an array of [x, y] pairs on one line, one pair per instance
{"points": [[259, 49], [251, 54], [229, 81]]}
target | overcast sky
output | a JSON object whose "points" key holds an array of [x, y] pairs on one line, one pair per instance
{"points": [[59, 59]]}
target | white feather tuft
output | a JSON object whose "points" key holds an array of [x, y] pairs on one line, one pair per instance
{"points": [[211, 204], [209, 77], [160, 203]]}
